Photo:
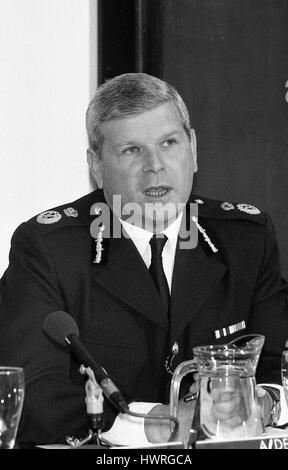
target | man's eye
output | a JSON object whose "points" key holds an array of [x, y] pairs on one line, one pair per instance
{"points": [[133, 150], [168, 143]]}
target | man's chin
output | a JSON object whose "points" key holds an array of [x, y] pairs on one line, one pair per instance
{"points": [[158, 223], [152, 216]]}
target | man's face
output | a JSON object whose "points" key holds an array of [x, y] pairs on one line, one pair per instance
{"points": [[147, 159]]}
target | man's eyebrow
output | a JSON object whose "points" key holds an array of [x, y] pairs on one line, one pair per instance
{"points": [[126, 143], [171, 133]]}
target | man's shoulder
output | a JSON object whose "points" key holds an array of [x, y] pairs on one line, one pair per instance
{"points": [[228, 210], [72, 214]]}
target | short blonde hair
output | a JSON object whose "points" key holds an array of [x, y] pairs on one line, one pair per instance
{"points": [[127, 95]]}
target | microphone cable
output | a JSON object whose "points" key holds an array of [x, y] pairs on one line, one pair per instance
{"points": [[156, 416]]}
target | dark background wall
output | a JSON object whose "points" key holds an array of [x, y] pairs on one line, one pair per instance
{"points": [[229, 61]]}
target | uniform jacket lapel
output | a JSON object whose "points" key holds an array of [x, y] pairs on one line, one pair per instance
{"points": [[197, 271], [126, 277]]}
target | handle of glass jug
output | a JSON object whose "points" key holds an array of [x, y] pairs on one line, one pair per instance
{"points": [[181, 370]]}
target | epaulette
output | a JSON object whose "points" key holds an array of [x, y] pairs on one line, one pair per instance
{"points": [[75, 213], [215, 209]]}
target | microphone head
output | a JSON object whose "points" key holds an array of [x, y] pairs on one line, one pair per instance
{"points": [[58, 325]]}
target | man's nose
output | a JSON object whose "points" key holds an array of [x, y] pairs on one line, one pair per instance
{"points": [[153, 160]]}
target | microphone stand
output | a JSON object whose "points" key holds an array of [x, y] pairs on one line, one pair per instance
{"points": [[94, 410], [95, 420]]}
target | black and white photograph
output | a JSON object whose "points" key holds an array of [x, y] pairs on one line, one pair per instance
{"points": [[144, 221]]}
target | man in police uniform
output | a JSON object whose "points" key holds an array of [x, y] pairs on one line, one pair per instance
{"points": [[142, 148]]}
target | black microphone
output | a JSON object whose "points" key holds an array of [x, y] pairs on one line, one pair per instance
{"points": [[62, 328]]}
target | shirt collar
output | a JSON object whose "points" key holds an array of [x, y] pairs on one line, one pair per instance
{"points": [[172, 231], [141, 237]]}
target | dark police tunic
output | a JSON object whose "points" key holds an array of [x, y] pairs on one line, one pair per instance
{"points": [[217, 294]]}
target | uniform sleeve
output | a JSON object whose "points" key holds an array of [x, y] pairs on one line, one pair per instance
{"points": [[53, 407], [128, 430], [270, 310]]}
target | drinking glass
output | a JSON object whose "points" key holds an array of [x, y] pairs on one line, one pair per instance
{"points": [[284, 373], [11, 403]]}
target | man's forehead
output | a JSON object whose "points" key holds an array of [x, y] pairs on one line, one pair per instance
{"points": [[160, 121]]}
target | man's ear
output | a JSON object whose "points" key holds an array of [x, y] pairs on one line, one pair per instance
{"points": [[193, 143], [94, 163]]}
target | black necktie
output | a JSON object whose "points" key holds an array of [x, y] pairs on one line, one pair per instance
{"points": [[156, 269]]}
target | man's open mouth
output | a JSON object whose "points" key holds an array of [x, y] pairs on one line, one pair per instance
{"points": [[157, 191]]}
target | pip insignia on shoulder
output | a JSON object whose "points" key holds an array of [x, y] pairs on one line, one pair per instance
{"points": [[227, 206], [70, 212], [49, 217], [248, 209]]}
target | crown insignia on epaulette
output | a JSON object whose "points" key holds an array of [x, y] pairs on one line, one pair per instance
{"points": [[70, 212], [227, 206]]}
